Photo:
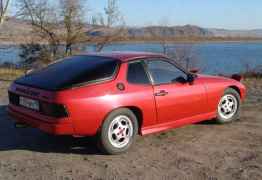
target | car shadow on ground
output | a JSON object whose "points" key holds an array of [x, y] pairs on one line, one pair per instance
{"points": [[207, 122], [31, 139]]}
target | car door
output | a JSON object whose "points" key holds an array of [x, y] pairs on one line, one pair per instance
{"points": [[175, 97]]}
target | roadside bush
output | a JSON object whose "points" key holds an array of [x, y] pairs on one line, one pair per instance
{"points": [[255, 72], [33, 54]]}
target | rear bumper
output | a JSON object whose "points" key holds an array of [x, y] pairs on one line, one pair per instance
{"points": [[59, 128]]}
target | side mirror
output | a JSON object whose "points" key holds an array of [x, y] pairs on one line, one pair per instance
{"points": [[194, 70], [180, 79], [191, 78]]}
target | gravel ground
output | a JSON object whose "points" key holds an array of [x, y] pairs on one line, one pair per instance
{"points": [[200, 151]]}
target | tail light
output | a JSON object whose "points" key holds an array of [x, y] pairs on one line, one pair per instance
{"points": [[48, 109], [13, 98], [53, 110]]}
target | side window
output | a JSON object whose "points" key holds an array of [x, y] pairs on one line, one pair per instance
{"points": [[164, 72], [136, 73]]}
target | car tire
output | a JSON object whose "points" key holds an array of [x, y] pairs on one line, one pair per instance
{"points": [[118, 131], [228, 109]]}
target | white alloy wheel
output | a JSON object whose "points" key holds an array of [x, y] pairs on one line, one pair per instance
{"points": [[228, 106], [120, 131]]}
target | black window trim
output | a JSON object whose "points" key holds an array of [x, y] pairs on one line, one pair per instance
{"points": [[167, 60], [144, 66]]}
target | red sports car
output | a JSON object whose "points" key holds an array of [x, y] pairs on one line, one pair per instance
{"points": [[118, 95]]}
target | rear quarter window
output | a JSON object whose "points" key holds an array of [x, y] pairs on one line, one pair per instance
{"points": [[136, 73]]}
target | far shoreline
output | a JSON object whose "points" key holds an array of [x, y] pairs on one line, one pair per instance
{"points": [[182, 41]]}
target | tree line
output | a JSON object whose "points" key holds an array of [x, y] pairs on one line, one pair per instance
{"points": [[59, 27]]}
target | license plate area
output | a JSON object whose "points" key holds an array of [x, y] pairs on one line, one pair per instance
{"points": [[29, 103]]}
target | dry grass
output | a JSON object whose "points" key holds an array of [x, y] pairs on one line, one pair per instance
{"points": [[9, 74], [201, 151]]}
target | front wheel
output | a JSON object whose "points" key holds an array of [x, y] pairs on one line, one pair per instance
{"points": [[228, 107], [118, 131]]}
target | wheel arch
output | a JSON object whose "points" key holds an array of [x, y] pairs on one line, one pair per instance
{"points": [[236, 89], [139, 115], [134, 109]]}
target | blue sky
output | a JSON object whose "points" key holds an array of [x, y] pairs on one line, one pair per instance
{"points": [[230, 14]]}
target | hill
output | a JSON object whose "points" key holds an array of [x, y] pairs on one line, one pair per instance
{"points": [[236, 33], [18, 31], [174, 31]]}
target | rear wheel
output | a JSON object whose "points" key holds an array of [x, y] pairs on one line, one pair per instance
{"points": [[228, 107], [118, 131]]}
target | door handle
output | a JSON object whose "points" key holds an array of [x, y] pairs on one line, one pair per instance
{"points": [[161, 93]]}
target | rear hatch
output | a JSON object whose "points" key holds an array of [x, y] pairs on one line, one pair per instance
{"points": [[71, 72], [35, 94]]}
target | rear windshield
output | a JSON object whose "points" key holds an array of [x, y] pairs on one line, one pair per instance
{"points": [[72, 71]]}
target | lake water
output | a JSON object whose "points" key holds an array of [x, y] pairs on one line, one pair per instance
{"points": [[213, 58]]}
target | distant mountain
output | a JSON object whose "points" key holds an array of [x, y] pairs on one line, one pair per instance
{"points": [[184, 31], [15, 26], [14, 30], [174, 31], [17, 30], [236, 33]]}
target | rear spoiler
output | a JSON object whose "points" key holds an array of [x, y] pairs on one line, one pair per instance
{"points": [[237, 77]]}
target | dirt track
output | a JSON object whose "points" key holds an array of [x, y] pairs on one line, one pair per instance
{"points": [[200, 151]]}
